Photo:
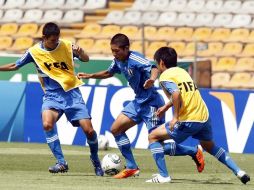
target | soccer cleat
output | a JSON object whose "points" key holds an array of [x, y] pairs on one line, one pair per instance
{"points": [[127, 173], [59, 167], [157, 178], [199, 159], [245, 178], [97, 167]]}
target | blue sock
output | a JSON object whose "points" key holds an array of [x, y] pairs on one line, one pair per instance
{"points": [[124, 146], [54, 145], [93, 144], [174, 149], [158, 156], [224, 158]]}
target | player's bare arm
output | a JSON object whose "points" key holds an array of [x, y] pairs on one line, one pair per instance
{"points": [[81, 53], [9, 67], [149, 83], [176, 100], [161, 111], [99, 75]]}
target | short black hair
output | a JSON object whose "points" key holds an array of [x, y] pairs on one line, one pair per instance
{"points": [[50, 29], [168, 55], [121, 40]]}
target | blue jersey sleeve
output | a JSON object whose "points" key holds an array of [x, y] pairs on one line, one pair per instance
{"points": [[113, 68], [25, 59], [170, 87]]}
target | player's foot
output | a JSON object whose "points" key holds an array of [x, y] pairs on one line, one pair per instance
{"points": [[59, 167], [127, 173], [199, 159], [245, 178], [97, 167], [157, 178]]}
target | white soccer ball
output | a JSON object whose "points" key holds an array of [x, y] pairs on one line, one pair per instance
{"points": [[111, 164], [103, 142]]}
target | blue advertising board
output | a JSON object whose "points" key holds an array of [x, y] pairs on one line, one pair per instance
{"points": [[231, 112]]}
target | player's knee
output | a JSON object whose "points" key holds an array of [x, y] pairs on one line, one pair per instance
{"points": [[152, 137], [47, 126], [114, 131]]}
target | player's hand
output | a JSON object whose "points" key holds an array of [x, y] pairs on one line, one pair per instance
{"points": [[84, 75], [77, 50], [148, 83], [161, 111], [173, 123]]}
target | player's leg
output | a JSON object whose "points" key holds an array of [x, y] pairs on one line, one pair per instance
{"points": [[118, 129], [224, 158], [205, 136], [49, 118], [92, 140], [77, 113]]}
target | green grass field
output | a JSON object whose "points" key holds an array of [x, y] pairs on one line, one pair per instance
{"points": [[25, 167]]}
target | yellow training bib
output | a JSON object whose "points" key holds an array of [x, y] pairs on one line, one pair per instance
{"points": [[57, 64]]}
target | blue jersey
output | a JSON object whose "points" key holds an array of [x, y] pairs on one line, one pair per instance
{"points": [[49, 84], [136, 69]]}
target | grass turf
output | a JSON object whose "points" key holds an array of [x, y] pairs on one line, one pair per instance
{"points": [[25, 166]]}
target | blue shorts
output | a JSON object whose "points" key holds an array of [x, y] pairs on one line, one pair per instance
{"points": [[145, 112], [71, 103], [198, 130]]}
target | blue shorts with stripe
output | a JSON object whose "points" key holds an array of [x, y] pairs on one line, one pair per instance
{"points": [[71, 103], [197, 130], [145, 112]]}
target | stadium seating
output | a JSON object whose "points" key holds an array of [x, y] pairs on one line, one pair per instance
{"points": [[219, 34], [108, 31], [195, 5], [28, 29], [133, 32], [51, 15], [218, 79], [85, 43], [202, 19], [248, 51], [231, 6], [32, 4], [138, 46], [89, 31], [225, 64], [164, 33], [113, 17], [178, 46], [72, 4], [31, 16], [12, 4], [72, 16], [8, 29], [220, 20], [52, 4], [5, 42], [239, 20], [139, 5], [11, 15], [166, 19], [158, 5], [183, 33], [21, 44], [201, 34], [247, 7], [213, 48], [231, 49], [92, 5], [238, 80], [244, 64], [148, 18], [176, 5], [237, 35]]}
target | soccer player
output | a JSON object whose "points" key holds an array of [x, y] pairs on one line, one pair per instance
{"points": [[140, 74], [190, 115], [53, 58]]}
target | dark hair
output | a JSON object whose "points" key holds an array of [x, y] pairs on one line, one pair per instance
{"points": [[168, 55], [121, 40], [50, 29]]}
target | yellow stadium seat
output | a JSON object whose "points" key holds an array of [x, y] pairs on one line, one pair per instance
{"points": [[237, 35], [183, 33], [218, 79], [231, 48], [219, 34], [153, 47], [201, 34], [85, 43], [248, 51], [225, 64], [249, 84], [108, 31], [244, 64], [101, 46], [150, 32], [28, 29], [165, 33], [8, 29], [250, 38], [238, 80], [72, 39], [133, 32], [21, 44], [5, 42], [89, 31], [38, 33], [189, 49], [213, 48], [178, 46], [138, 46]]}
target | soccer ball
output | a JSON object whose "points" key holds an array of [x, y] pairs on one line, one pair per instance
{"points": [[103, 142], [111, 164]]}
